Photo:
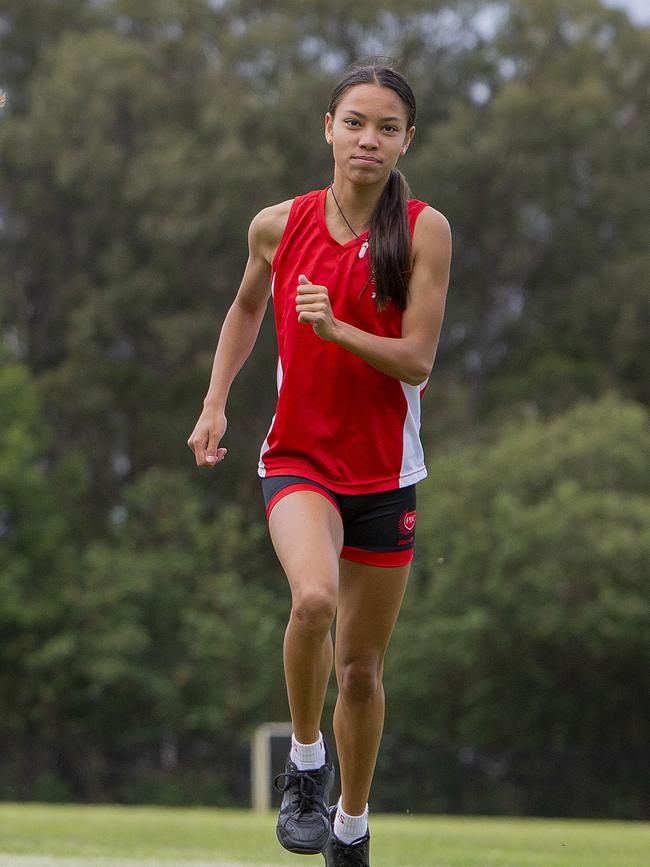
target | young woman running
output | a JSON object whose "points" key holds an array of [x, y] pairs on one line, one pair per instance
{"points": [[358, 272]]}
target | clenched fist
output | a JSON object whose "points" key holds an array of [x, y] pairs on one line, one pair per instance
{"points": [[313, 307]]}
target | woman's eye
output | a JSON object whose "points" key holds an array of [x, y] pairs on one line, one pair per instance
{"points": [[388, 127]]}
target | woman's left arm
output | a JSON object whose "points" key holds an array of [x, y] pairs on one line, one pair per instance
{"points": [[410, 357]]}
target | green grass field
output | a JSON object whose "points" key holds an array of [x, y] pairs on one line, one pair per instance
{"points": [[39, 835]]}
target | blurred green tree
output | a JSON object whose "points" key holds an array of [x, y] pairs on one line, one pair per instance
{"points": [[541, 169], [138, 140], [530, 601], [39, 513], [175, 647]]}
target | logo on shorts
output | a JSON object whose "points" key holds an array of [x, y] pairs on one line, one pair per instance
{"points": [[407, 522]]}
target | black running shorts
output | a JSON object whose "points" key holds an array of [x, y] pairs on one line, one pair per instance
{"points": [[379, 529]]}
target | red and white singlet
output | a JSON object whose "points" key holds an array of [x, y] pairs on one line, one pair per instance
{"points": [[338, 420]]}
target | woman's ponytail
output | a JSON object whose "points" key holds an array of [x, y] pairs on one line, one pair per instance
{"points": [[390, 243]]}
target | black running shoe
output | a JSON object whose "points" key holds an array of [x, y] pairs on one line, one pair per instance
{"points": [[339, 854], [303, 824]]}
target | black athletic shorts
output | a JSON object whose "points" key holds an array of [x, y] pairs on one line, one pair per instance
{"points": [[378, 529]]}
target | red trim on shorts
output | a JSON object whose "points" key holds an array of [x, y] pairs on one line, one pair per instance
{"points": [[299, 486], [377, 558]]}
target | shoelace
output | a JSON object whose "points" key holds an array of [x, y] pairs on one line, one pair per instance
{"points": [[310, 790]]}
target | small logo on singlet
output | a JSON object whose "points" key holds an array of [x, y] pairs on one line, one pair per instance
{"points": [[407, 522]]}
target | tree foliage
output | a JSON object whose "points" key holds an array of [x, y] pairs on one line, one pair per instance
{"points": [[143, 597], [531, 608]]}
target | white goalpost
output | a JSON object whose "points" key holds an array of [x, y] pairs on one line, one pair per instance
{"points": [[261, 762]]}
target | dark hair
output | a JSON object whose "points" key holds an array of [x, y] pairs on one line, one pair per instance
{"points": [[390, 235]]}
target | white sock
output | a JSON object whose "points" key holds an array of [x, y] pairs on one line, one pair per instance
{"points": [[308, 757], [347, 828]]}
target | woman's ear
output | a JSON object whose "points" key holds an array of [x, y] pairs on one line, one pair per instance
{"points": [[328, 128], [408, 139]]}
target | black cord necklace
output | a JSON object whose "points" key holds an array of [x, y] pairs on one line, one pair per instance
{"points": [[366, 243], [342, 214]]}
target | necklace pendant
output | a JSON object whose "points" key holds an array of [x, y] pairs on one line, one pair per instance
{"points": [[363, 250]]}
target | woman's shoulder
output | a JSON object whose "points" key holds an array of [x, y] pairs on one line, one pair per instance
{"points": [[431, 236], [428, 219], [268, 225], [267, 228]]}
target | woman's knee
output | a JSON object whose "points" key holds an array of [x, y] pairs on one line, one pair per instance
{"points": [[359, 680], [313, 610]]}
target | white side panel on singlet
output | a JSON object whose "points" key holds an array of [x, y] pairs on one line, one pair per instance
{"points": [[413, 469]]}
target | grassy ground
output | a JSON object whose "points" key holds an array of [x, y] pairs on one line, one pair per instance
{"points": [[36, 835]]}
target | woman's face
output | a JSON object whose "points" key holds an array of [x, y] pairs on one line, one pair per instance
{"points": [[368, 132]]}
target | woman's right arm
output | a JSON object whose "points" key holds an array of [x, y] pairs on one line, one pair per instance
{"points": [[239, 332]]}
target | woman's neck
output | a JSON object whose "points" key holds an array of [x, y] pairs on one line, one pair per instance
{"points": [[355, 200]]}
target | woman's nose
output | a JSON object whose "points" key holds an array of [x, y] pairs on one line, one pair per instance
{"points": [[368, 138]]}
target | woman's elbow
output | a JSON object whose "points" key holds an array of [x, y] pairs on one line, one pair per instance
{"points": [[419, 376]]}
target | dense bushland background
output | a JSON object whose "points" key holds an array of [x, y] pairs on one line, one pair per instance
{"points": [[142, 607]]}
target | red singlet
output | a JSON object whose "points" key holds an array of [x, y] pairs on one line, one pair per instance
{"points": [[338, 421]]}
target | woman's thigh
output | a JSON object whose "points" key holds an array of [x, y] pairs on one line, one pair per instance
{"points": [[307, 534], [370, 598]]}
